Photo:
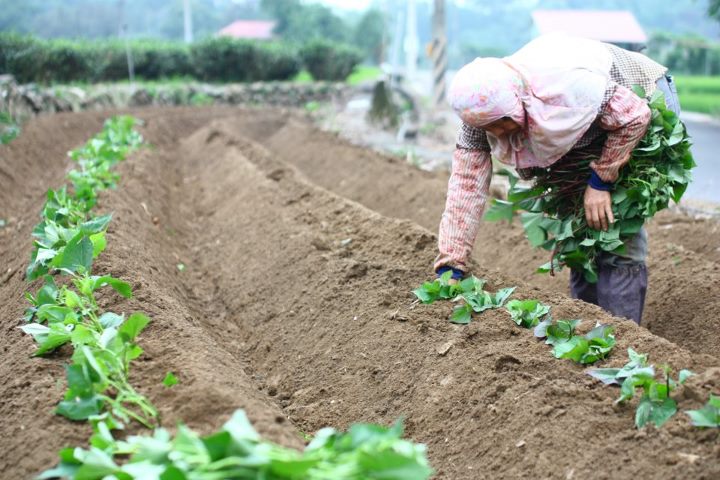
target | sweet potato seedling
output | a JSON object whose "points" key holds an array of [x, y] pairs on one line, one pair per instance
{"points": [[655, 405], [527, 313], [586, 349], [469, 292]]}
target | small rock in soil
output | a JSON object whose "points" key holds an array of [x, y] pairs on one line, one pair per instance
{"points": [[444, 348]]}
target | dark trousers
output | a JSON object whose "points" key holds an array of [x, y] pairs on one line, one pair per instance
{"points": [[619, 290]]}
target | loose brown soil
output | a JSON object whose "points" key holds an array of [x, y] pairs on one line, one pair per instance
{"points": [[295, 305]]}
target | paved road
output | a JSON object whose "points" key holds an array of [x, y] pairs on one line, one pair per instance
{"points": [[706, 149]]}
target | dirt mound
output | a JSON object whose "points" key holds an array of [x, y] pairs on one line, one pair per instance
{"points": [[295, 303], [684, 252], [213, 382]]}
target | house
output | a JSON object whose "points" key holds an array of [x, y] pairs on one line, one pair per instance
{"points": [[619, 27], [249, 29]]}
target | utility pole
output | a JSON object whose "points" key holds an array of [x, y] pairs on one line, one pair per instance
{"points": [[439, 53], [411, 42], [122, 33], [187, 17]]}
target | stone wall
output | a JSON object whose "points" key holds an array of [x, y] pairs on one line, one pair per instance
{"points": [[25, 101]]}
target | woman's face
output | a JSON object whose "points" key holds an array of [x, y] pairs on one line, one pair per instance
{"points": [[503, 127]]}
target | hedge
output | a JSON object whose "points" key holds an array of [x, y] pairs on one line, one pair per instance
{"points": [[216, 59], [329, 61]]}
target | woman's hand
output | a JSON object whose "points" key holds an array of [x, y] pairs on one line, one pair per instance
{"points": [[598, 208]]}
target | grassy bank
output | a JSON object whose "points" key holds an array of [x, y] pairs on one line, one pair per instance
{"points": [[699, 93]]}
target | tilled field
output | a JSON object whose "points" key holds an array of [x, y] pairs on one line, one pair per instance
{"points": [[300, 253]]}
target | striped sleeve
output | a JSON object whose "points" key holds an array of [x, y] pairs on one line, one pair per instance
{"points": [[626, 118], [467, 193]]}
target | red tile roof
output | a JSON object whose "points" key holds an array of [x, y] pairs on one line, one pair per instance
{"points": [[613, 26], [253, 29]]}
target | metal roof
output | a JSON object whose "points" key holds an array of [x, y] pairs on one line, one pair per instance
{"points": [[253, 29]]}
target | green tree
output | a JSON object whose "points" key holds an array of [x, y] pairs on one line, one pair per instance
{"points": [[369, 35], [300, 22], [714, 9]]}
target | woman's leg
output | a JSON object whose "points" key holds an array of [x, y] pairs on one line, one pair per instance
{"points": [[582, 289], [622, 280]]}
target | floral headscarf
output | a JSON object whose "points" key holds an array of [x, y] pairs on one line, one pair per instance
{"points": [[553, 87]]}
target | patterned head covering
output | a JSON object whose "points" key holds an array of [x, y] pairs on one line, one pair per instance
{"points": [[553, 87]]}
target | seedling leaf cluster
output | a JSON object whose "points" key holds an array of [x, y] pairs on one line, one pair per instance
{"points": [[238, 452], [470, 293], [656, 404], [585, 349]]}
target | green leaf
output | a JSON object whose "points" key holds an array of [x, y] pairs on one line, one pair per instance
{"points": [[170, 380], [462, 314], [424, 295], [111, 320], [608, 376], [527, 313], [82, 335], [499, 210], [531, 223], [132, 327], [655, 412], [502, 295], [76, 256], [572, 349], [99, 242], [639, 91], [240, 429], [123, 288], [72, 299], [684, 375], [708, 416], [392, 465], [96, 225]]}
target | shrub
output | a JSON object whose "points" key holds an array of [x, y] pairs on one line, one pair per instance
{"points": [[224, 59], [22, 56], [220, 59], [328, 61]]}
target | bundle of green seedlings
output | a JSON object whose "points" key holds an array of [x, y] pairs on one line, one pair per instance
{"points": [[66, 241], [553, 213], [236, 452]]}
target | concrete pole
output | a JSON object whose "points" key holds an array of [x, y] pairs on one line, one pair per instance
{"points": [[122, 32], [439, 53], [187, 17], [412, 44]]}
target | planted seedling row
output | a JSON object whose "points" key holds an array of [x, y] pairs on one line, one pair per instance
{"points": [[66, 241], [655, 405], [238, 452]]}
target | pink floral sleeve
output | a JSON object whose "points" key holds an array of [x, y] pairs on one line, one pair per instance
{"points": [[467, 193], [626, 118]]}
